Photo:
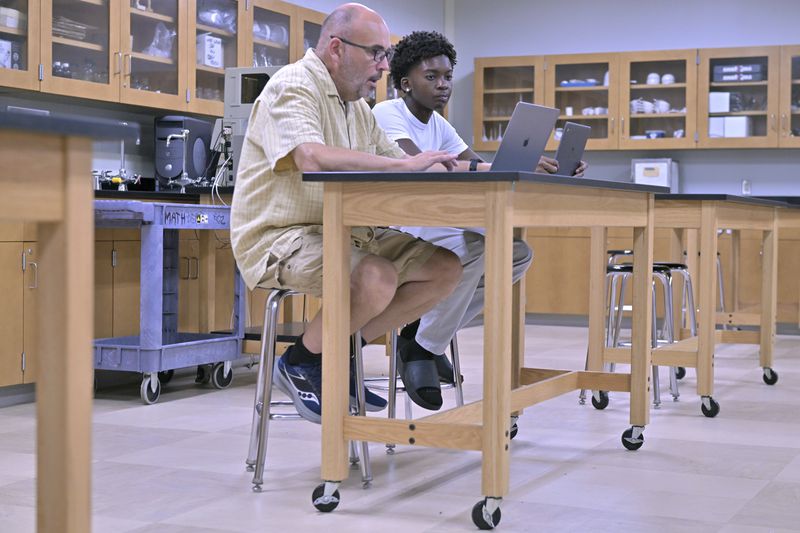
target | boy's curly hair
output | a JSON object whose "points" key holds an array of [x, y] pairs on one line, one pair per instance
{"points": [[415, 47]]}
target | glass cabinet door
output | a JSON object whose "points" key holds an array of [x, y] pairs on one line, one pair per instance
{"points": [[80, 54], [19, 43], [215, 45], [272, 34], [738, 97], [584, 87], [658, 99], [152, 56], [499, 84], [790, 96]]}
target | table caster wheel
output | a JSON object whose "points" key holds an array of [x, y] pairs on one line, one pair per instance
{"points": [[601, 400], [709, 407], [148, 395], [514, 430], [680, 372], [633, 438], [483, 517], [326, 496], [203, 374], [218, 377], [770, 377], [165, 376]]}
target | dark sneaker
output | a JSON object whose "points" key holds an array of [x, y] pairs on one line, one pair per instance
{"points": [[303, 384], [373, 402]]}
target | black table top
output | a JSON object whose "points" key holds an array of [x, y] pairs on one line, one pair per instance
{"points": [[63, 124], [752, 200], [530, 177], [170, 196]]}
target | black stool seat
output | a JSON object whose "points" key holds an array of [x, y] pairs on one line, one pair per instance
{"points": [[627, 268], [673, 266]]}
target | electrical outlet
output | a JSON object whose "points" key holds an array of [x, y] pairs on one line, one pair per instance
{"points": [[746, 188]]}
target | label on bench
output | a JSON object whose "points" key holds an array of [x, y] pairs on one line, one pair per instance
{"points": [[195, 217]]}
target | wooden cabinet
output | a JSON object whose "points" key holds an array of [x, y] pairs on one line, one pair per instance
{"points": [[658, 99], [499, 83], [19, 283], [737, 94], [585, 87], [789, 135], [117, 270], [217, 37], [189, 282], [19, 35]]}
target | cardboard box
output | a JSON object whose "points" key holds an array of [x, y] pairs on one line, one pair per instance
{"points": [[719, 102], [209, 51], [738, 127], [716, 127]]}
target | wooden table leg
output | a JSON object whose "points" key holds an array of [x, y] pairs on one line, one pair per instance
{"points": [[769, 294], [497, 341], [64, 387], [597, 297], [641, 320], [518, 325], [335, 335], [676, 255], [707, 301]]}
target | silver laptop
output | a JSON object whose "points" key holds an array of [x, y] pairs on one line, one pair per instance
{"points": [[525, 137], [570, 148]]}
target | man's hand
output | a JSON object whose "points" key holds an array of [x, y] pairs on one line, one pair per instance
{"points": [[581, 169], [547, 165], [425, 160]]}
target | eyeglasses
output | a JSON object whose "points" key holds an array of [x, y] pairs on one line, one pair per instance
{"points": [[378, 53]]}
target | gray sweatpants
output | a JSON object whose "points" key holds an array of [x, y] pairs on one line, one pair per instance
{"points": [[439, 325]]}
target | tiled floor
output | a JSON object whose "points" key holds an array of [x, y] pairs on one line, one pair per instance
{"points": [[178, 466]]}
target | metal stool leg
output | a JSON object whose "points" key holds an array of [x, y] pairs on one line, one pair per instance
{"points": [[456, 371], [358, 363]]}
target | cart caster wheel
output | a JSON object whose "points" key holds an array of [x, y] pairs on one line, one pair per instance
{"points": [[709, 407], [770, 377], [680, 372], [323, 503], [203, 374], [148, 395], [514, 431], [630, 441], [165, 376], [482, 518], [602, 402], [218, 378]]}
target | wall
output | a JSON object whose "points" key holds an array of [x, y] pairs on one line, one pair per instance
{"points": [[401, 17], [519, 27]]}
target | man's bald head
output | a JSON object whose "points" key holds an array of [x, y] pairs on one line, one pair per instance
{"points": [[345, 21]]}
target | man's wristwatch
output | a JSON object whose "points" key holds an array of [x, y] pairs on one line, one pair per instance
{"points": [[473, 164]]}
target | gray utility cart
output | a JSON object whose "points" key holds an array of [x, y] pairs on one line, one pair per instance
{"points": [[160, 347]]}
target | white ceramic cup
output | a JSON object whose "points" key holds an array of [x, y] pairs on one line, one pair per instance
{"points": [[568, 110], [587, 111]]}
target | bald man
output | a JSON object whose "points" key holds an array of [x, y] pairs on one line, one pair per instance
{"points": [[311, 117]]}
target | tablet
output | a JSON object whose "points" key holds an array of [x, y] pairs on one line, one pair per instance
{"points": [[570, 149]]}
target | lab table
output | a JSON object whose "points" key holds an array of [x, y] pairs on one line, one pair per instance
{"points": [[498, 201], [45, 179]]}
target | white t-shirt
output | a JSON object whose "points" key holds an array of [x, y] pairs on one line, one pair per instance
{"points": [[399, 123]]}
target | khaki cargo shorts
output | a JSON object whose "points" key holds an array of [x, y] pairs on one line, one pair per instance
{"points": [[295, 258]]}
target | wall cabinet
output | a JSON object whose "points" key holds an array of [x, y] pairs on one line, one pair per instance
{"points": [[670, 99], [19, 276], [657, 99], [166, 54], [737, 95], [585, 88], [500, 83]]}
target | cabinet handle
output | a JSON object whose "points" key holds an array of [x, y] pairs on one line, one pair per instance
{"points": [[35, 266], [622, 126], [118, 57], [612, 126], [127, 71], [188, 268], [784, 125], [196, 267], [772, 120]]}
